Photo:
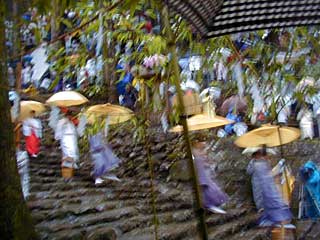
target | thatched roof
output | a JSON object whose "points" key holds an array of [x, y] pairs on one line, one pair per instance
{"points": [[213, 18]]}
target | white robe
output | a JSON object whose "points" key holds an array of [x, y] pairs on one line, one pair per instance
{"points": [[23, 167], [32, 124], [66, 132], [306, 123]]}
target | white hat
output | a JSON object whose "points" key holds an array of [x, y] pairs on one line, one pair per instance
{"points": [[251, 150]]}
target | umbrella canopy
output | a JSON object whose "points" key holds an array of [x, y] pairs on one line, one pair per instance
{"points": [[211, 18], [202, 121], [117, 114], [67, 99], [26, 107], [234, 102], [269, 135]]}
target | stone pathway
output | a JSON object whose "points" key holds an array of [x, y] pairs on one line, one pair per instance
{"points": [[122, 210]]}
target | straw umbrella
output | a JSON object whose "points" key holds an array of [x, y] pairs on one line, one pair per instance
{"points": [[115, 113], [202, 121], [67, 99], [26, 107], [268, 135]]}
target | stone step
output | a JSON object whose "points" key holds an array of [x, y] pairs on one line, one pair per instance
{"points": [[125, 225], [105, 232], [252, 234], [213, 219], [174, 231], [164, 219], [231, 228], [83, 221]]}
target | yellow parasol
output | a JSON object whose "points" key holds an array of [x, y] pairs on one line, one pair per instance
{"points": [[205, 120], [202, 121], [269, 135], [117, 114], [26, 107], [67, 99]]}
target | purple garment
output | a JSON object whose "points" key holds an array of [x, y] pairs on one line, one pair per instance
{"points": [[212, 195], [102, 156], [275, 209], [58, 87]]}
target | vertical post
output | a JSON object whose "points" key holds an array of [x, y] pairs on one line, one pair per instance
{"points": [[17, 51], [109, 57], [285, 172], [172, 50]]}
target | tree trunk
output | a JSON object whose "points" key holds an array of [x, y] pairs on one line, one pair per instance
{"points": [[15, 220], [110, 75]]}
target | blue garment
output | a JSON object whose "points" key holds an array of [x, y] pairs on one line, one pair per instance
{"points": [[26, 16], [102, 156], [129, 98], [311, 178], [236, 118], [266, 194], [212, 195], [121, 85]]}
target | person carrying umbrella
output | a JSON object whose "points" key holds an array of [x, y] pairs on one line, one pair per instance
{"points": [[269, 202], [66, 130], [274, 211], [32, 130], [66, 133], [101, 153]]}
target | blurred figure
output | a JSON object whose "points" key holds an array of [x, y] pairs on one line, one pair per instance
{"points": [[32, 130], [212, 195], [103, 159], [237, 118], [23, 168], [67, 134], [274, 211], [306, 123], [310, 176], [130, 97], [26, 75], [11, 77], [128, 78]]}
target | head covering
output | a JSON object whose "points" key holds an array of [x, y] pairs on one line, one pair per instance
{"points": [[252, 150]]}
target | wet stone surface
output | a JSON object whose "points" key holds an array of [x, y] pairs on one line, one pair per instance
{"points": [[123, 210]]}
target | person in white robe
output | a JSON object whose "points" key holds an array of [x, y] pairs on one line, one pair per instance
{"points": [[306, 123], [32, 130], [67, 134]]}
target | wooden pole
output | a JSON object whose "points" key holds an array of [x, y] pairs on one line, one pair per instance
{"points": [[174, 61]]}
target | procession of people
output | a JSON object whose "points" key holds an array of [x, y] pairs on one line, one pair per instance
{"points": [[272, 200]]}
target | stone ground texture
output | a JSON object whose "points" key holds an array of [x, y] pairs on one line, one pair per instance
{"points": [[123, 210]]}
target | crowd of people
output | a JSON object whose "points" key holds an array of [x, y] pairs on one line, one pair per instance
{"points": [[272, 203], [67, 128]]}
